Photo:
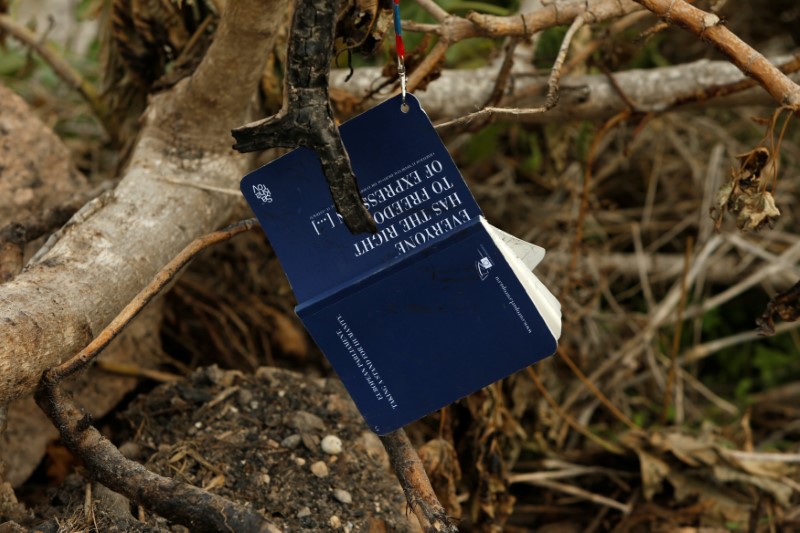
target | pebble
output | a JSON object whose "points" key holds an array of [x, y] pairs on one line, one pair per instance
{"points": [[244, 396], [130, 450], [335, 522], [304, 512], [291, 441], [320, 469], [310, 441], [299, 461], [332, 444], [305, 422], [342, 496]]}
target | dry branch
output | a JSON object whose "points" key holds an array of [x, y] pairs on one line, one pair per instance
{"points": [[416, 485], [587, 97], [307, 118], [145, 296], [63, 69], [59, 303], [558, 13], [552, 86], [710, 27]]}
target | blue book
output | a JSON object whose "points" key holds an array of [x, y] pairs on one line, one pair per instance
{"points": [[434, 306]]}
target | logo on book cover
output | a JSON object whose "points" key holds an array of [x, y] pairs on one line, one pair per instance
{"points": [[484, 264], [262, 193]]}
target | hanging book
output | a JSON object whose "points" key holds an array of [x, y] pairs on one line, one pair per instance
{"points": [[434, 306]]}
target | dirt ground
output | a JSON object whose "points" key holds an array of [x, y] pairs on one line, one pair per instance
{"points": [[255, 439]]}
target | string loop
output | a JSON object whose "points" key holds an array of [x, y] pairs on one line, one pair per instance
{"points": [[401, 51]]}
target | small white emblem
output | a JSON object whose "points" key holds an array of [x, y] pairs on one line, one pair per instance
{"points": [[262, 193], [483, 265]]}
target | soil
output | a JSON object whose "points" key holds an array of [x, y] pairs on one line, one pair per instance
{"points": [[255, 439]]}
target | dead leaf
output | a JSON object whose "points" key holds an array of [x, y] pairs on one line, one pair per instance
{"points": [[780, 491], [755, 211], [746, 195], [441, 463], [787, 306], [723, 505], [654, 471], [694, 451]]}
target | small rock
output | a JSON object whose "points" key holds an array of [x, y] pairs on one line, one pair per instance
{"points": [[245, 397], [371, 443], [332, 444], [342, 496], [130, 450], [215, 374], [304, 512], [299, 461], [291, 441], [305, 422], [320, 469], [310, 441], [335, 522]]}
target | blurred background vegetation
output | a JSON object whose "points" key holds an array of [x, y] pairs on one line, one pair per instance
{"points": [[652, 185]]}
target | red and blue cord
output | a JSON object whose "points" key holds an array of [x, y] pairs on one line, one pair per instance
{"points": [[401, 49]]}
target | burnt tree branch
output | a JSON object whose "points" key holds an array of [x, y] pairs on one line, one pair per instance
{"points": [[307, 117]]}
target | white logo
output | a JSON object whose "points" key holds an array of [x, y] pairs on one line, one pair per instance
{"points": [[262, 193], [484, 264]]}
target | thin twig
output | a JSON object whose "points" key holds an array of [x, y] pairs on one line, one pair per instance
{"points": [[582, 494], [150, 291], [676, 338], [504, 74], [608, 446], [62, 69], [489, 113], [658, 318], [432, 59], [701, 351], [587, 179], [591, 386], [408, 467]]}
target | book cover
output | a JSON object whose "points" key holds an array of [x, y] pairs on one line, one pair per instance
{"points": [[432, 307]]}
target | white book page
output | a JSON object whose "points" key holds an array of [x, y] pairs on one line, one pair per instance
{"points": [[530, 254], [520, 256]]}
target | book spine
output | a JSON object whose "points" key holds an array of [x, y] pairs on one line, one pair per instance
{"points": [[312, 305]]}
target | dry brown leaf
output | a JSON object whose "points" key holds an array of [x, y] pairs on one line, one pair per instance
{"points": [[723, 505], [746, 195], [441, 463], [654, 471], [691, 450], [787, 306], [780, 491]]}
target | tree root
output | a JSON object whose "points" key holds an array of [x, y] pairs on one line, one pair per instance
{"points": [[179, 502], [416, 485]]}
